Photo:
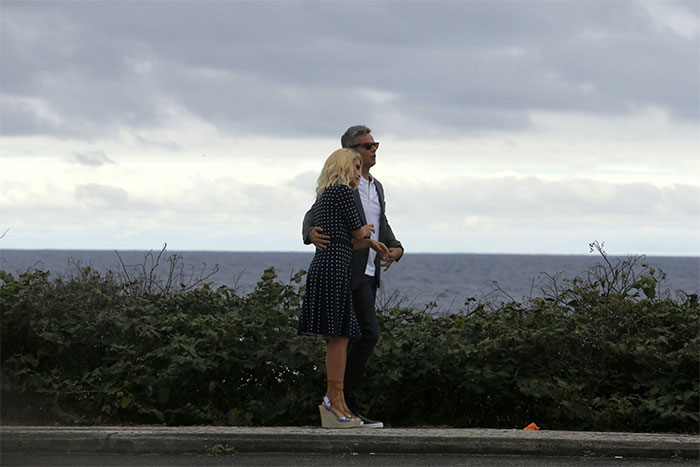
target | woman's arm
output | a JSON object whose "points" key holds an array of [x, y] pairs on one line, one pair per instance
{"points": [[363, 232], [379, 247]]}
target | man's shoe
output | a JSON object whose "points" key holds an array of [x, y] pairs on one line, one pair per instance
{"points": [[367, 423]]}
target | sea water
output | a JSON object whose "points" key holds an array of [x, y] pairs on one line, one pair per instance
{"points": [[448, 280]]}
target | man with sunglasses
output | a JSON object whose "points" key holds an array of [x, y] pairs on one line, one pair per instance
{"points": [[366, 265]]}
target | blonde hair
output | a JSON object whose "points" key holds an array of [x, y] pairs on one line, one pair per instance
{"points": [[338, 169]]}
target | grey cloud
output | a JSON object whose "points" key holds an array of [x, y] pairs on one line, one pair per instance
{"points": [[684, 198], [533, 201], [227, 201], [21, 116], [95, 158], [102, 196], [296, 68], [305, 181]]}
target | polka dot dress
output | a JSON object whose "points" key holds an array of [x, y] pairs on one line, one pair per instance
{"points": [[327, 307]]}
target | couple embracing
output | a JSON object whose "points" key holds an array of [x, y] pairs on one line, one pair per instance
{"points": [[353, 240]]}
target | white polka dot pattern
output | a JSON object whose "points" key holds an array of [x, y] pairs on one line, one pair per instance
{"points": [[327, 307]]}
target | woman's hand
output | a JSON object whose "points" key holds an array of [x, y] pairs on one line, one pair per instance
{"points": [[380, 248], [363, 232], [394, 255], [368, 229]]}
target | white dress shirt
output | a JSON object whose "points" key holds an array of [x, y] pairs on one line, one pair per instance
{"points": [[373, 210]]}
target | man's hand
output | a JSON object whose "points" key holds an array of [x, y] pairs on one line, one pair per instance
{"points": [[394, 254], [320, 241]]}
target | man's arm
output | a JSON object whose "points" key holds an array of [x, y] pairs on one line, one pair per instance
{"points": [[395, 247], [307, 225], [391, 240], [386, 234]]}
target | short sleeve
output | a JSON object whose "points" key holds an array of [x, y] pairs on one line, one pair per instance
{"points": [[348, 208]]}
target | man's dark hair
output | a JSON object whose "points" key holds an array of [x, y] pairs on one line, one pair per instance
{"points": [[348, 139]]}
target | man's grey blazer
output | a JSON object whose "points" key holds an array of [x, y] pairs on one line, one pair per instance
{"points": [[359, 257]]}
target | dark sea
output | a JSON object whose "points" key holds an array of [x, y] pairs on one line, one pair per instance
{"points": [[418, 279]]}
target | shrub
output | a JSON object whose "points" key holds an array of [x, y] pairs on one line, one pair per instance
{"points": [[603, 352], [84, 351]]}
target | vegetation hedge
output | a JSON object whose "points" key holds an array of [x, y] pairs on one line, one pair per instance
{"points": [[602, 352]]}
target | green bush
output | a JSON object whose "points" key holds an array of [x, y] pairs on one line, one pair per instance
{"points": [[629, 366], [604, 352], [85, 351]]}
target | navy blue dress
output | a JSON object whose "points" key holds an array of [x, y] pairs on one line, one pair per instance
{"points": [[327, 307]]}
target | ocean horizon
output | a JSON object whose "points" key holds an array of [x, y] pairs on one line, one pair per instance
{"points": [[446, 279]]}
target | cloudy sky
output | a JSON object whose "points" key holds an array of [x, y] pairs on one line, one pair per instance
{"points": [[505, 126]]}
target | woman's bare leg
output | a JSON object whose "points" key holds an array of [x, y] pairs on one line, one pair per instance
{"points": [[336, 355]]}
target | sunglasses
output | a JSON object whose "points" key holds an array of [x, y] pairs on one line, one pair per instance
{"points": [[367, 146]]}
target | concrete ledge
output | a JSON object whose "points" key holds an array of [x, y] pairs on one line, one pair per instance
{"points": [[177, 440]]}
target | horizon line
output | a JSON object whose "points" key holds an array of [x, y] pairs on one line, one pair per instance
{"points": [[670, 255]]}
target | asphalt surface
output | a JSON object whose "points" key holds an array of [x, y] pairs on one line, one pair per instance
{"points": [[231, 441], [326, 460]]}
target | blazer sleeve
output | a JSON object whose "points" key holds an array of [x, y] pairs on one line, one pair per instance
{"points": [[307, 225], [386, 233]]}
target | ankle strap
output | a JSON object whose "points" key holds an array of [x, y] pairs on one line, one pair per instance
{"points": [[335, 384]]}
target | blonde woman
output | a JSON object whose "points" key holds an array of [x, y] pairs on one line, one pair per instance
{"points": [[327, 308]]}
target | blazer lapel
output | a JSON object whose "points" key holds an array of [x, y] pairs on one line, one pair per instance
{"points": [[380, 193]]}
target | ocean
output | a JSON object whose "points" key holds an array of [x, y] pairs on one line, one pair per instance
{"points": [[416, 280]]}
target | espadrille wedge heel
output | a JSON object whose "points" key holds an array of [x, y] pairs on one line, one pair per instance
{"points": [[329, 419]]}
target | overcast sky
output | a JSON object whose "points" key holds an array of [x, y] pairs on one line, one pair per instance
{"points": [[505, 126]]}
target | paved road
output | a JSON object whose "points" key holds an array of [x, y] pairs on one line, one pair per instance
{"points": [[328, 460], [220, 440]]}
